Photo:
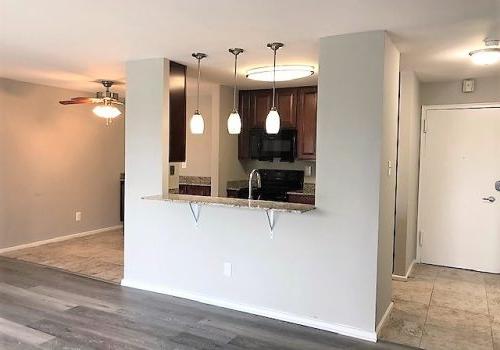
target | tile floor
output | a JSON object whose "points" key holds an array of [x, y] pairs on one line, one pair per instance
{"points": [[445, 308], [99, 256]]}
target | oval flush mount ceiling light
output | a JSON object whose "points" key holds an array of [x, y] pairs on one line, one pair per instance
{"points": [[489, 55], [283, 73]]}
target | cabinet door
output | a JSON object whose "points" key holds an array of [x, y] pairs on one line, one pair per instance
{"points": [[177, 150], [245, 110], [286, 102], [263, 100], [306, 123]]}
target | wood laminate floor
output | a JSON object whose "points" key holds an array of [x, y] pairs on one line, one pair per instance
{"points": [[98, 256], [446, 309], [44, 308]]}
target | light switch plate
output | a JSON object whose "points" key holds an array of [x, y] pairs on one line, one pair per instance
{"points": [[184, 165], [468, 85]]}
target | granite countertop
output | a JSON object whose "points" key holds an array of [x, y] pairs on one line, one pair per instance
{"points": [[309, 190], [235, 203], [195, 180]]}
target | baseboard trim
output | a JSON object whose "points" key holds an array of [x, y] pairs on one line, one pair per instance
{"points": [[59, 239], [256, 310], [405, 277], [384, 318]]}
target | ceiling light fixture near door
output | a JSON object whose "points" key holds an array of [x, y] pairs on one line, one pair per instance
{"points": [[489, 55], [197, 124], [234, 120], [273, 118], [283, 73]]}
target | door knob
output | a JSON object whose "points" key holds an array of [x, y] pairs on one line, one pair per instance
{"points": [[490, 199]]}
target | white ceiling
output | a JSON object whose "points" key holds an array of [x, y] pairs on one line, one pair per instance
{"points": [[69, 43]]}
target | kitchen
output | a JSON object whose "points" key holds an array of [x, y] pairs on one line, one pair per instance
{"points": [[219, 164]]}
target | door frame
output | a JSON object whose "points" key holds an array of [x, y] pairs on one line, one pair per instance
{"points": [[423, 116]]}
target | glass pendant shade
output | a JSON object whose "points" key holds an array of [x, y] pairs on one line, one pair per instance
{"points": [[106, 111], [234, 123], [273, 122], [197, 124]]}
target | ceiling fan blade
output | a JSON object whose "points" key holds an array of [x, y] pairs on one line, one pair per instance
{"points": [[81, 100], [117, 102]]}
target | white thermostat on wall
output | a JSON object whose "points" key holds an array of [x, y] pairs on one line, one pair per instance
{"points": [[468, 85]]}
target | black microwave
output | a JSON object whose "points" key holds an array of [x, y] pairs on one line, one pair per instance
{"points": [[264, 146]]}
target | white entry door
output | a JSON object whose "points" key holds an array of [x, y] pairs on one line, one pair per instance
{"points": [[459, 207]]}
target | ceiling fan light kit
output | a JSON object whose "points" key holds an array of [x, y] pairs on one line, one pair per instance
{"points": [[106, 100]]}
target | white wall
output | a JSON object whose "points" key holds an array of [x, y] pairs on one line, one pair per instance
{"points": [[439, 93], [321, 267], [55, 160], [408, 170]]}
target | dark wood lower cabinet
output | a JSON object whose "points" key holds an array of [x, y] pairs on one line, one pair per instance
{"points": [[195, 190], [233, 193]]}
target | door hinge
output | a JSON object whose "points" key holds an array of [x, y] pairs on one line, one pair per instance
{"points": [[425, 125], [420, 238]]}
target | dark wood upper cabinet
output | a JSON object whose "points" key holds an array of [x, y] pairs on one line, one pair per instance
{"points": [[297, 110], [306, 123], [177, 150], [263, 101], [245, 109], [286, 103]]}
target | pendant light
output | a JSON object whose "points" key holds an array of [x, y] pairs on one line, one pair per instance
{"points": [[234, 120], [273, 118], [197, 124]]}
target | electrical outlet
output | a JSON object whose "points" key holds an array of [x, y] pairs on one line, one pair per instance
{"points": [[78, 216], [228, 269], [184, 165]]}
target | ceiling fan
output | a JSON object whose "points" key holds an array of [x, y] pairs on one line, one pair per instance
{"points": [[106, 102]]}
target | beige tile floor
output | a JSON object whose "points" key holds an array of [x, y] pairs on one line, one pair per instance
{"points": [[445, 308], [98, 256]]}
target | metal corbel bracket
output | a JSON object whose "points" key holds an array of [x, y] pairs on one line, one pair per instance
{"points": [[195, 211], [271, 222]]}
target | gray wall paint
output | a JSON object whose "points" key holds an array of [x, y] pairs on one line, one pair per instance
{"points": [[55, 160], [320, 266], [408, 170], [487, 90]]}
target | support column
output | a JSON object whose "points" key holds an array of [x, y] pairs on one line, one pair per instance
{"points": [[146, 143]]}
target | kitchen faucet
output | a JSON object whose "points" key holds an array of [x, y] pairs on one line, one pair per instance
{"points": [[254, 171]]}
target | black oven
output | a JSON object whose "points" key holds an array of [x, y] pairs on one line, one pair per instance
{"points": [[282, 145]]}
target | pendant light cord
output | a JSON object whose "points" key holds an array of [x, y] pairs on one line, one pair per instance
{"points": [[235, 77], [274, 76], [198, 88]]}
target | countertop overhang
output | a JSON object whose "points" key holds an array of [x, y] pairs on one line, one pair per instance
{"points": [[234, 203]]}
